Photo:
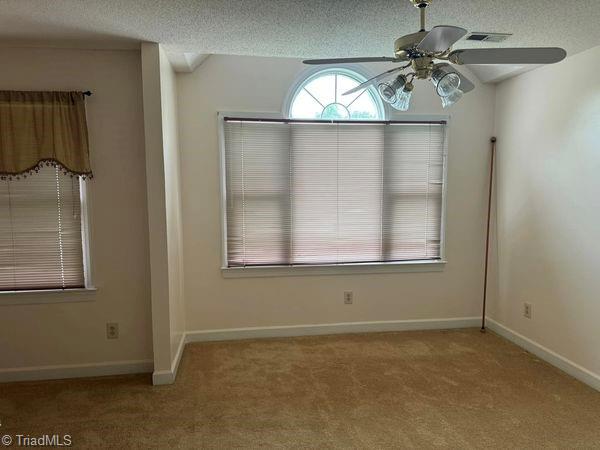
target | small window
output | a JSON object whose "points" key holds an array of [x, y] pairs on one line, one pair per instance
{"points": [[41, 239], [320, 96]]}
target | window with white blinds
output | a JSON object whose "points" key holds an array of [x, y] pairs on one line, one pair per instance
{"points": [[315, 193], [41, 232]]}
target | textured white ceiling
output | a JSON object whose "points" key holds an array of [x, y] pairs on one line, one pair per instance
{"points": [[294, 28]]}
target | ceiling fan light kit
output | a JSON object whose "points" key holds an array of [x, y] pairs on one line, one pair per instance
{"points": [[403, 97], [420, 51], [445, 80], [388, 91], [397, 92]]}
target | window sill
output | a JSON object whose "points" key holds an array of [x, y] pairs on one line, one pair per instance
{"points": [[43, 296], [333, 269]]}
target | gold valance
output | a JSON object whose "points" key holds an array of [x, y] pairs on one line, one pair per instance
{"points": [[43, 128]]}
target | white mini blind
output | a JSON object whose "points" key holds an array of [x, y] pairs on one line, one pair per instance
{"points": [[304, 193], [40, 232]]}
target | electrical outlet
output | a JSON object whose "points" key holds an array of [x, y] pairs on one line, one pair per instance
{"points": [[348, 297], [527, 310], [112, 331]]}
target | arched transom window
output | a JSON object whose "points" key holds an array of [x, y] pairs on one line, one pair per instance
{"points": [[320, 96]]}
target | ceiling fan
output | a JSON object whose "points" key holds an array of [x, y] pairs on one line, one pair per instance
{"points": [[420, 51]]}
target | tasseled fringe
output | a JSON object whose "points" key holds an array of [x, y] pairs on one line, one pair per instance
{"points": [[45, 163]]}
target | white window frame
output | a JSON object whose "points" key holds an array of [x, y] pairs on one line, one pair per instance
{"points": [[42, 296], [324, 269]]}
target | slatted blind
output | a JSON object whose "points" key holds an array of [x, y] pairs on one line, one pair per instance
{"points": [[304, 193], [40, 232]]}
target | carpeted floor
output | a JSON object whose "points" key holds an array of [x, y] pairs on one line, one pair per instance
{"points": [[454, 389]]}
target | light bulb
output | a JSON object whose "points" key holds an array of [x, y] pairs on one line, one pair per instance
{"points": [[389, 91], [452, 98], [445, 80], [403, 96]]}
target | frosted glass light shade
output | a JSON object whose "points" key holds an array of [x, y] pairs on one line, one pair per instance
{"points": [[402, 102], [452, 98], [445, 80], [389, 91], [448, 85]]}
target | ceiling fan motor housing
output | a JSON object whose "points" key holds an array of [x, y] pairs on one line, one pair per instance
{"points": [[405, 47], [422, 67]]}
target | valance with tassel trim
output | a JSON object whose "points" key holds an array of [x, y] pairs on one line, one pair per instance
{"points": [[43, 128]]}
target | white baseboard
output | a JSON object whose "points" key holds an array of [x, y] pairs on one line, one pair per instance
{"points": [[230, 334], [75, 370], [575, 370], [168, 376]]}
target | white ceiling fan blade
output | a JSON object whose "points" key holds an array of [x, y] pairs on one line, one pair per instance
{"points": [[536, 55], [370, 81], [441, 38], [350, 60], [465, 84]]}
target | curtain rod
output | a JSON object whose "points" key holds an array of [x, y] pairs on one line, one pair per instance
{"points": [[371, 122], [86, 93]]}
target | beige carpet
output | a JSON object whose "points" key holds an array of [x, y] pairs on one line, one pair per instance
{"points": [[453, 389]]}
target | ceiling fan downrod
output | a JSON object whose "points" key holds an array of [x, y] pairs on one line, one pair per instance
{"points": [[422, 5]]}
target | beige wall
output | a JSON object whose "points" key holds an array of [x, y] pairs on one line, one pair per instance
{"points": [[547, 212], [74, 333], [224, 83], [548, 188]]}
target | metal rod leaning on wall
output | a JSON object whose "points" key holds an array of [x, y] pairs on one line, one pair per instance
{"points": [[487, 236]]}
